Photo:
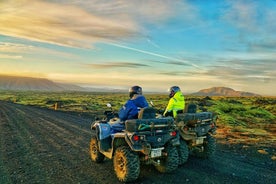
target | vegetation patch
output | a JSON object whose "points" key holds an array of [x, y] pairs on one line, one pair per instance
{"points": [[240, 119]]}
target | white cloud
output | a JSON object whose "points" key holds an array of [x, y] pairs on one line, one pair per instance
{"points": [[6, 56], [83, 23], [60, 24], [254, 23], [8, 47], [243, 14]]}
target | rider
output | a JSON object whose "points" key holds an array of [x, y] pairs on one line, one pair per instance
{"points": [[130, 110], [176, 103], [133, 105]]}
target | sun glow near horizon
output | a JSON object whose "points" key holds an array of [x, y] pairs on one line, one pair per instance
{"points": [[156, 45]]}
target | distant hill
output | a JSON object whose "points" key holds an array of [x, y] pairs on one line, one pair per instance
{"points": [[223, 91], [34, 84]]}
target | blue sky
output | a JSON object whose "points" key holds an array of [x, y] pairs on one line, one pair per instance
{"points": [[195, 44]]}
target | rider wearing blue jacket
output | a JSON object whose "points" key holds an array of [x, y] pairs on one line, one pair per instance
{"points": [[131, 108]]}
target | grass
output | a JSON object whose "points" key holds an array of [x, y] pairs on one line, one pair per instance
{"points": [[238, 117]]}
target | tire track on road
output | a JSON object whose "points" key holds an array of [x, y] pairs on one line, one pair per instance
{"points": [[57, 145], [19, 148]]}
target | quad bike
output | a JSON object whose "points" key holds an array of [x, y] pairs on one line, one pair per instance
{"points": [[197, 130], [145, 140]]}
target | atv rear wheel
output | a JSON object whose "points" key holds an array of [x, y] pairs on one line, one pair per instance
{"points": [[209, 147], [168, 163], [126, 164], [95, 153], [183, 152]]}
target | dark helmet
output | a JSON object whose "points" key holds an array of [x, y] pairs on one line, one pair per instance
{"points": [[135, 90], [173, 90]]}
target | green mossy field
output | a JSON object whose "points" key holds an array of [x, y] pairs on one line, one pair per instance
{"points": [[253, 118]]}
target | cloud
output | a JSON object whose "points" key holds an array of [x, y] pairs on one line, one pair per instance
{"points": [[177, 63], [255, 23], [81, 23], [263, 45], [172, 73], [236, 68], [6, 56], [13, 50], [10, 50], [242, 14], [116, 65], [174, 60], [8, 47], [57, 24], [149, 11], [240, 73]]}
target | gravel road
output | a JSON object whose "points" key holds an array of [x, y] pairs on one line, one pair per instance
{"points": [[44, 146]]}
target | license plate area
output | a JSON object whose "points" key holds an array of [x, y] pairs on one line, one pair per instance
{"points": [[199, 140], [156, 152]]}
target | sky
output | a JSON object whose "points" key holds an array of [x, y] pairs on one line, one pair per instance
{"points": [[195, 44]]}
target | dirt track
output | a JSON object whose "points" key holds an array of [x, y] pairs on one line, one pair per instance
{"points": [[44, 146]]}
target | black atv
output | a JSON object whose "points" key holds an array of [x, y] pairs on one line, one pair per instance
{"points": [[197, 130], [145, 140]]}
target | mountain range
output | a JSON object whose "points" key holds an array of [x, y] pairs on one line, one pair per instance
{"points": [[223, 91], [34, 84], [15, 83]]}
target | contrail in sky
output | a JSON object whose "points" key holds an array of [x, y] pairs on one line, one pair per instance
{"points": [[153, 54]]}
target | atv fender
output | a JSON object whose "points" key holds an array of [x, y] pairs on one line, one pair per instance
{"points": [[131, 144], [116, 140]]}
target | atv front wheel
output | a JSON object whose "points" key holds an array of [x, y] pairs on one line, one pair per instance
{"points": [[95, 153], [183, 152], [126, 164], [168, 163]]}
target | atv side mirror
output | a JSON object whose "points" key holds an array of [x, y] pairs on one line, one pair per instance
{"points": [[109, 105]]}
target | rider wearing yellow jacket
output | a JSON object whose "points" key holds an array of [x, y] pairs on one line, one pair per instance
{"points": [[176, 103]]}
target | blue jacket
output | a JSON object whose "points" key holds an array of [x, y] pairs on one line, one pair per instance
{"points": [[131, 108], [140, 101]]}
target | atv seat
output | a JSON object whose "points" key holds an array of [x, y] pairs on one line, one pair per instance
{"points": [[147, 113], [191, 108]]}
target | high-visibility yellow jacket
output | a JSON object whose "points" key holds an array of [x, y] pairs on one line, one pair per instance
{"points": [[177, 102]]}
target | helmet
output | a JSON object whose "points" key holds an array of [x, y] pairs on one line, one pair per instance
{"points": [[173, 90], [135, 90]]}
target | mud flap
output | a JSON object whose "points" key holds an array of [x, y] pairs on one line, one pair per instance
{"points": [[104, 132], [105, 144], [175, 142]]}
